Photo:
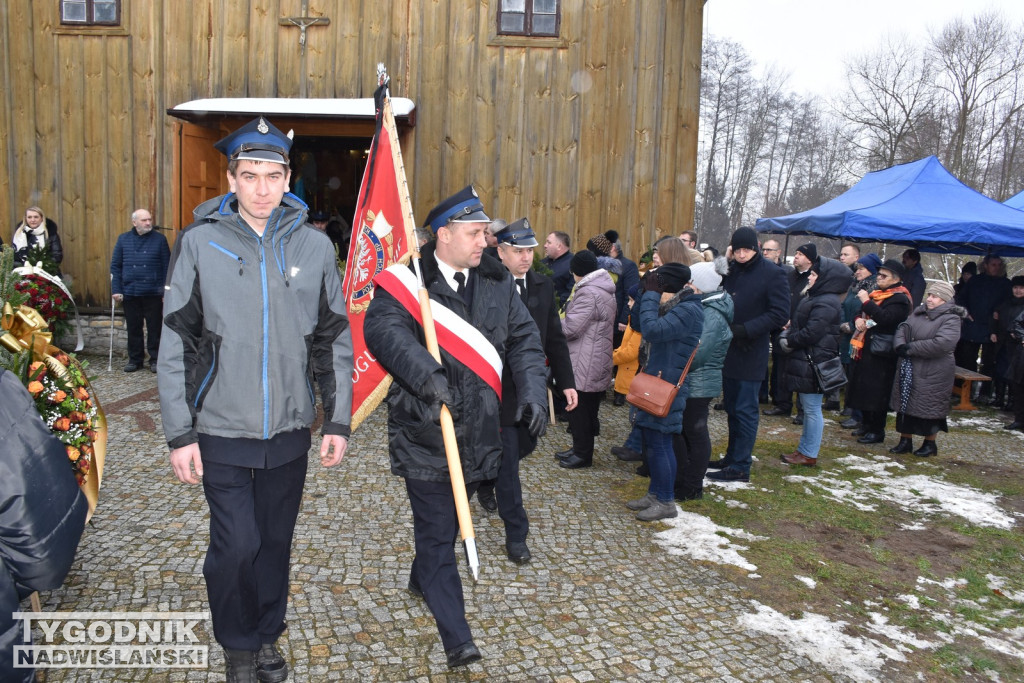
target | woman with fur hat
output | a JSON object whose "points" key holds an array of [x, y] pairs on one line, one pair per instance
{"points": [[875, 368], [925, 344]]}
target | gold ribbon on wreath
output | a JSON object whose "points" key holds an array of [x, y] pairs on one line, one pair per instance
{"points": [[25, 329]]}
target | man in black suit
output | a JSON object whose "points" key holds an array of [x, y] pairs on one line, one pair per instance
{"points": [[516, 243]]}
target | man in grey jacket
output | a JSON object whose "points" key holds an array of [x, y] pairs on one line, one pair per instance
{"points": [[253, 315]]}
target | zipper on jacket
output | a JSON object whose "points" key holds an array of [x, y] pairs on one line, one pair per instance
{"points": [[266, 341], [241, 261], [206, 380]]}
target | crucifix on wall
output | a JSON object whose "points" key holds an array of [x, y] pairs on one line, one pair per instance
{"points": [[304, 22]]}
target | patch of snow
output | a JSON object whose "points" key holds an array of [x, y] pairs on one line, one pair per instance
{"points": [[997, 583], [824, 642], [730, 503], [912, 601], [839, 490], [808, 581], [699, 538], [907, 641]]}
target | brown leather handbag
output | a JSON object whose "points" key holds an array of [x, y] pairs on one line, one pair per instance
{"points": [[654, 395]]}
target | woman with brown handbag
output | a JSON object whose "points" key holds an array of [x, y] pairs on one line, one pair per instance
{"points": [[671, 320]]}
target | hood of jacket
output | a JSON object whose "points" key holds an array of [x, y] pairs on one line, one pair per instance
{"points": [[599, 278], [612, 265], [948, 307], [833, 278]]}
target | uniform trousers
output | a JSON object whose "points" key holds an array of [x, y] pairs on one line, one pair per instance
{"points": [[434, 569], [252, 518], [136, 310], [508, 488]]}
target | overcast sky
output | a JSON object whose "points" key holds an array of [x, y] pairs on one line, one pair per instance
{"points": [[810, 38]]}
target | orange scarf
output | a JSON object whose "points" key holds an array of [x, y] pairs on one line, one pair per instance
{"points": [[878, 296]]}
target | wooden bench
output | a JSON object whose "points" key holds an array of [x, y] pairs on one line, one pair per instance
{"points": [[966, 377]]}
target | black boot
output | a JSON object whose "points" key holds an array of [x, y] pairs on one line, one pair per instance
{"points": [[241, 666], [905, 445], [928, 448], [619, 399]]}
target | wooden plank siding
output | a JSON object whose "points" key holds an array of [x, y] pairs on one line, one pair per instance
{"points": [[593, 130]]}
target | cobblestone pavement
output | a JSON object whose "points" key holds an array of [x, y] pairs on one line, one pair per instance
{"points": [[599, 602]]}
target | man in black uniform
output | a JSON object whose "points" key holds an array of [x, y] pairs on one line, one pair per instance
{"points": [[476, 301], [516, 243]]}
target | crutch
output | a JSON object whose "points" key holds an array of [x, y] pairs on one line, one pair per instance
{"points": [[110, 357]]}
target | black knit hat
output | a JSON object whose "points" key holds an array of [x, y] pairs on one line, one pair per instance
{"points": [[599, 245], [1017, 281], [744, 238], [809, 250], [583, 263], [894, 267], [673, 276]]}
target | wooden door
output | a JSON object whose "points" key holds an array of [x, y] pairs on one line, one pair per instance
{"points": [[198, 170]]}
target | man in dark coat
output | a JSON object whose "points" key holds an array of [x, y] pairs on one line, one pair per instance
{"points": [[803, 259], [761, 297], [516, 243], [489, 315], [913, 279], [556, 257], [138, 269], [42, 515], [629, 278], [981, 296]]}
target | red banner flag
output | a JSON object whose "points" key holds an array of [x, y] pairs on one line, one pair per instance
{"points": [[382, 232]]}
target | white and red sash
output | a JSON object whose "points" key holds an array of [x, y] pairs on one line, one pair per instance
{"points": [[454, 335]]}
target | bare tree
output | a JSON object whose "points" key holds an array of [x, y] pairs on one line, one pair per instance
{"points": [[981, 64], [890, 89]]}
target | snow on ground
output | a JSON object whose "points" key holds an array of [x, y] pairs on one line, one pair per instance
{"points": [[916, 493], [697, 537], [997, 583], [824, 642], [806, 580]]}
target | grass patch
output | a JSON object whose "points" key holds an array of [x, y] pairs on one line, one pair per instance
{"points": [[870, 560]]}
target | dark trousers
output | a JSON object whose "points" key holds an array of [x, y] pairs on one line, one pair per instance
{"points": [[740, 398], [139, 309], [780, 399], [252, 518], [966, 356], [1017, 394], [434, 569], [692, 447], [873, 421], [584, 424], [508, 488]]}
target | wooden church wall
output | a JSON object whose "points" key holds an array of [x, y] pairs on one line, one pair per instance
{"points": [[591, 131]]}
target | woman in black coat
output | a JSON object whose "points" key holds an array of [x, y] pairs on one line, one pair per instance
{"points": [[813, 332], [874, 369]]}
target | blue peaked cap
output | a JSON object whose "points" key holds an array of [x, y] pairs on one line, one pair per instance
{"points": [[464, 206], [258, 140], [518, 234]]}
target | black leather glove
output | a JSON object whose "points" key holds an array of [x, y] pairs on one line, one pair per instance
{"points": [[649, 282], [534, 417], [435, 393], [903, 350], [738, 331]]}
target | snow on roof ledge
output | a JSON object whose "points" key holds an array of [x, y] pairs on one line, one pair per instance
{"points": [[291, 106]]}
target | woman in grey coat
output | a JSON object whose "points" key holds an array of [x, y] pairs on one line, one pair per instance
{"points": [[924, 376]]}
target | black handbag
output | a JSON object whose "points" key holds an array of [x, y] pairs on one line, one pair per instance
{"points": [[829, 373], [880, 344]]}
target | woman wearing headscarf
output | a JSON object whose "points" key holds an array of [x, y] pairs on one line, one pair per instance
{"points": [[874, 369], [671, 321], [36, 231], [864, 273], [925, 343], [813, 336]]}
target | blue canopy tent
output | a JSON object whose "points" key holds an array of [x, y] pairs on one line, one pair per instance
{"points": [[1016, 201], [919, 204]]}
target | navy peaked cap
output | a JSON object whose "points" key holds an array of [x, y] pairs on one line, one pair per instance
{"points": [[258, 140], [464, 206], [518, 234]]}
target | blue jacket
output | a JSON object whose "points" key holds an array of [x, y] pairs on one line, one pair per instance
{"points": [[139, 264], [671, 332], [705, 378], [760, 294]]}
